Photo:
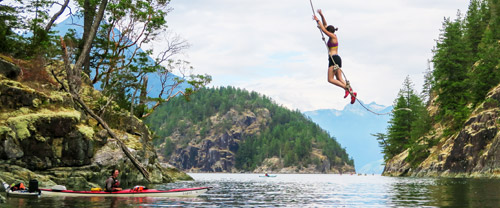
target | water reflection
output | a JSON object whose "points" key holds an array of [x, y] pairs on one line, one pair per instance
{"points": [[466, 193], [302, 190]]}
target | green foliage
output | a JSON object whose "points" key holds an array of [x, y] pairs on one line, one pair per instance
{"points": [[451, 66], [466, 61], [27, 17], [410, 121], [417, 153], [466, 66], [8, 21], [288, 135], [169, 148], [486, 73], [116, 59]]}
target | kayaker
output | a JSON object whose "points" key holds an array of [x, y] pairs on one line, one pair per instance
{"points": [[112, 183], [267, 174]]}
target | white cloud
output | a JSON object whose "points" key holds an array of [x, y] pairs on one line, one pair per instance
{"points": [[274, 47]]}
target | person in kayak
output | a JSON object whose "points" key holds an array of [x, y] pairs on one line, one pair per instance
{"points": [[112, 183], [334, 76]]}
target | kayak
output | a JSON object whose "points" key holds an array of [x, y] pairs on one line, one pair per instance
{"points": [[268, 176], [22, 193], [187, 192]]}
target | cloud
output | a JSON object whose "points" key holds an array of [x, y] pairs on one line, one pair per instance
{"points": [[274, 47]]}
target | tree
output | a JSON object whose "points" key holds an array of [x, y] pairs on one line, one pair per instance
{"points": [[410, 121], [28, 17], [475, 22], [486, 73], [427, 87], [8, 21], [450, 73]]}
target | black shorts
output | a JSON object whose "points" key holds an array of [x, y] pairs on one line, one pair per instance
{"points": [[337, 60]]}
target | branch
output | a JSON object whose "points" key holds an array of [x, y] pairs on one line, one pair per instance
{"points": [[56, 15], [159, 102]]}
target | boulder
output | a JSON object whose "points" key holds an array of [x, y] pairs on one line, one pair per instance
{"points": [[9, 70]]}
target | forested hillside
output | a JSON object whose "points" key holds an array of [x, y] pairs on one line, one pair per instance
{"points": [[256, 128], [453, 126]]}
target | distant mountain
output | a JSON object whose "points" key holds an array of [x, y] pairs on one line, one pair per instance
{"points": [[352, 127]]}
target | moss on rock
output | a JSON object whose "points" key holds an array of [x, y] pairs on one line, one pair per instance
{"points": [[23, 125], [86, 131]]}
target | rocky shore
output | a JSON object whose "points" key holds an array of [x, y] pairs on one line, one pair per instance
{"points": [[46, 136], [471, 152]]}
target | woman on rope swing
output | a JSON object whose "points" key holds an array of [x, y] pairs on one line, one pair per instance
{"points": [[333, 57]]}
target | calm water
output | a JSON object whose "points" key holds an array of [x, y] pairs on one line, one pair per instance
{"points": [[302, 190]]}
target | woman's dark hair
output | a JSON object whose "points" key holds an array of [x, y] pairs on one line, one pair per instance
{"points": [[331, 28], [113, 171]]}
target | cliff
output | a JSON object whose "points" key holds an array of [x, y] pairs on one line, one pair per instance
{"points": [[44, 135], [474, 151]]}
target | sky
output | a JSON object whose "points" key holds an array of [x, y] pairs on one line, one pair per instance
{"points": [[275, 47]]}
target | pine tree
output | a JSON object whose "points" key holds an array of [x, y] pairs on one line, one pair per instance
{"points": [[450, 73], [487, 74], [399, 130], [475, 22], [410, 120]]}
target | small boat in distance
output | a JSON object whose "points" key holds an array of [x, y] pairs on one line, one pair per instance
{"points": [[268, 176]]}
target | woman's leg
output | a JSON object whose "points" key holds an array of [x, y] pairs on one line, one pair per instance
{"points": [[338, 74], [331, 78]]}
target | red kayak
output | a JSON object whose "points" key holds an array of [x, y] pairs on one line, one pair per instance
{"points": [[187, 192]]}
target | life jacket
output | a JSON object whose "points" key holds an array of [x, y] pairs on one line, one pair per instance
{"points": [[19, 186], [116, 184]]}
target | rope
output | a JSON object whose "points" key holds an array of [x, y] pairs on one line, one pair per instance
{"points": [[348, 85]]}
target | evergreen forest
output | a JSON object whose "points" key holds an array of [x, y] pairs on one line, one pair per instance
{"points": [[464, 68]]}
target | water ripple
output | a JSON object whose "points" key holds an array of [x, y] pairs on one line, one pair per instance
{"points": [[302, 190]]}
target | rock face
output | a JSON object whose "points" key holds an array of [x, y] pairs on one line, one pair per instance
{"points": [[44, 135], [472, 152], [215, 153]]}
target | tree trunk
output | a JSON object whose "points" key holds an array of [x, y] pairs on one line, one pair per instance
{"points": [[88, 18], [88, 42], [143, 96]]}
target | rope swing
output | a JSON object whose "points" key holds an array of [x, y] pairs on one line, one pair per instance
{"points": [[348, 85]]}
